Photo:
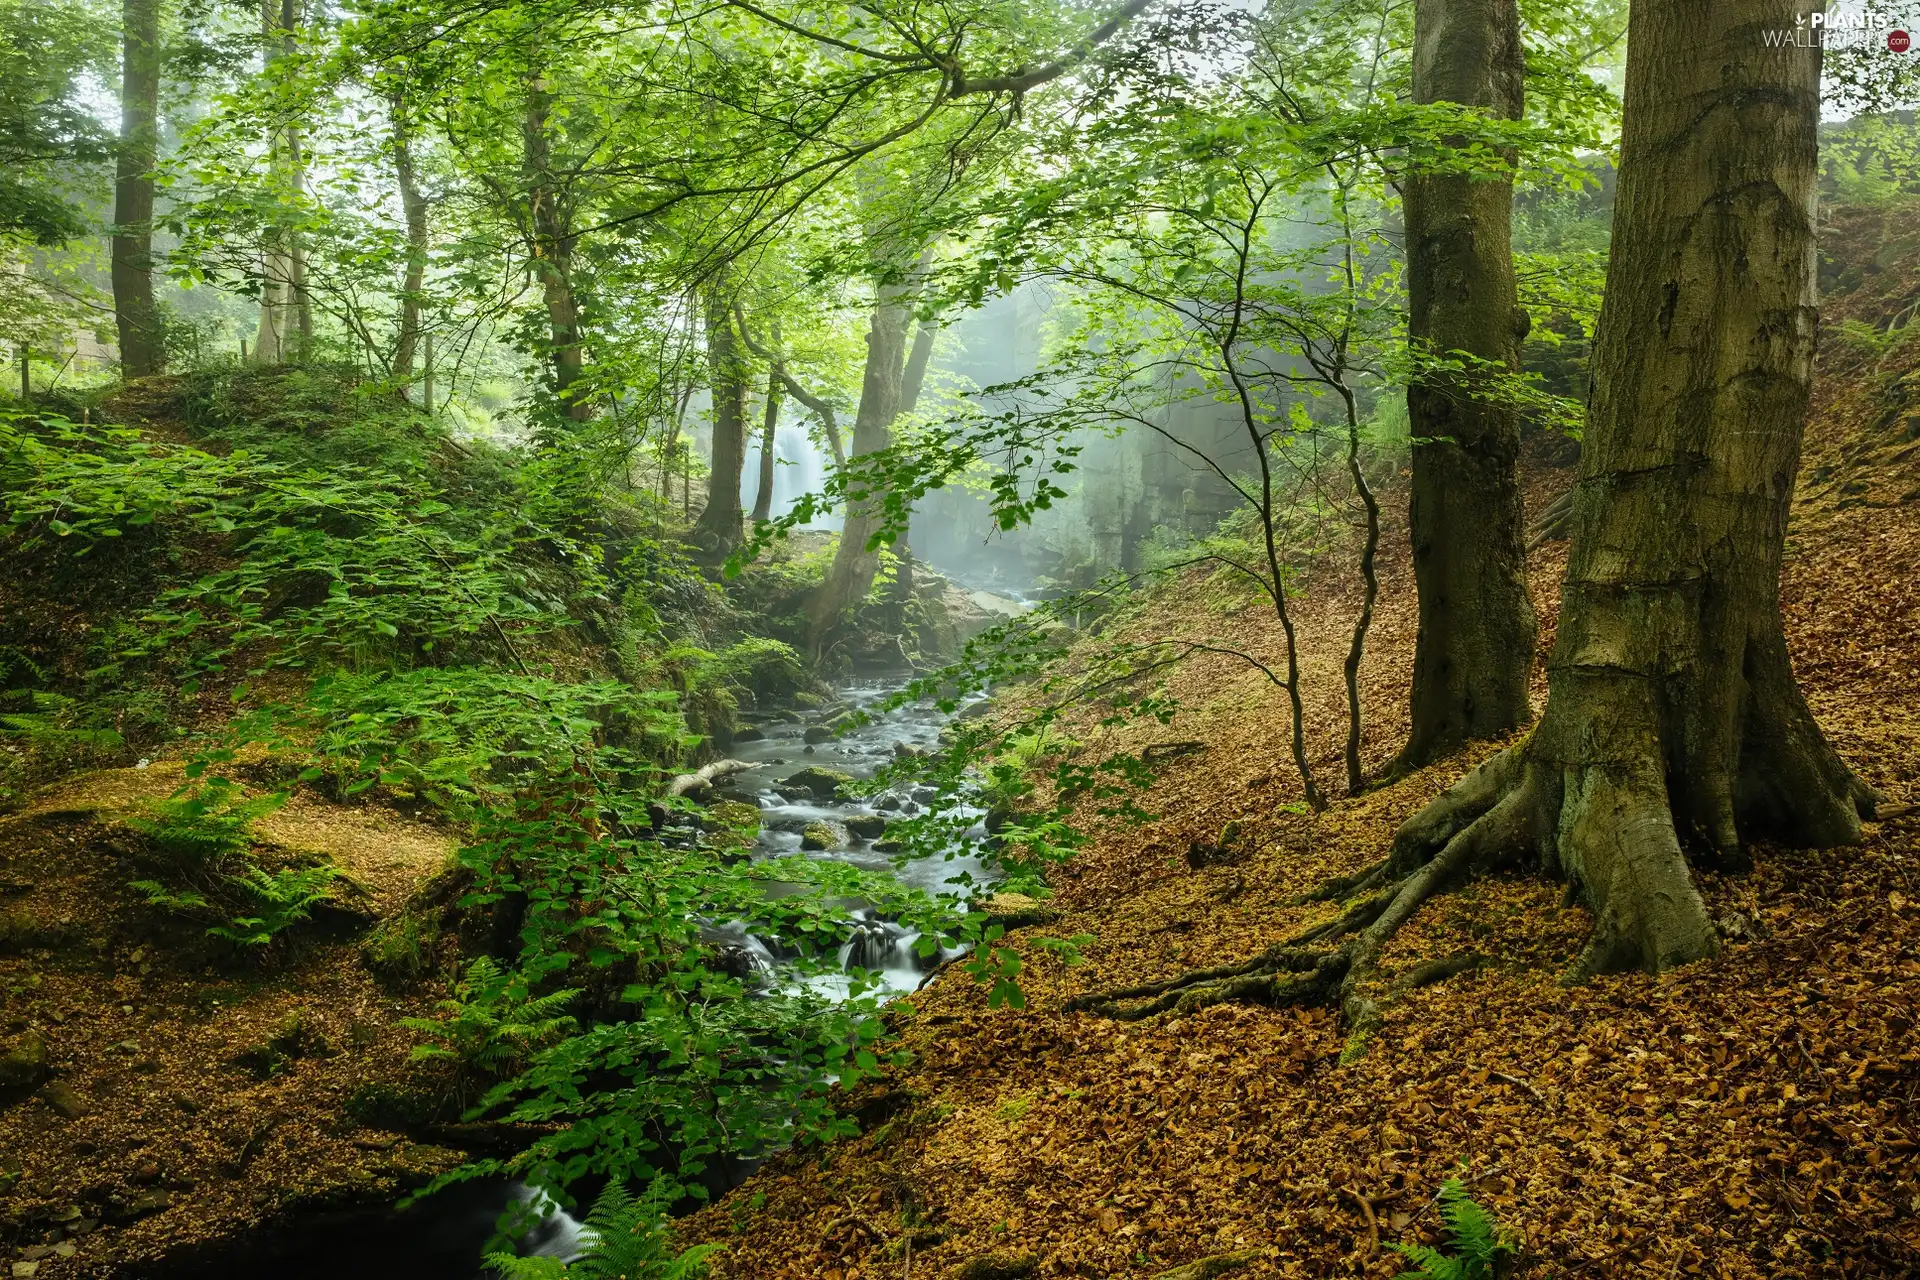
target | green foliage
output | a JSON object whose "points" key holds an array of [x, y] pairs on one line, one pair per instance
{"points": [[204, 822], [1479, 1247], [59, 722], [274, 902], [628, 1239], [493, 1024]]}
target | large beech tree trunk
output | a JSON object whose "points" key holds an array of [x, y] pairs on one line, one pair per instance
{"points": [[136, 316], [1673, 723], [719, 527], [1475, 645], [1673, 720]]}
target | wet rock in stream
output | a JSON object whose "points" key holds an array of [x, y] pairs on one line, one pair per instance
{"points": [[823, 835]]}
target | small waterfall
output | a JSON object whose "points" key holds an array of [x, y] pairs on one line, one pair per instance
{"points": [[876, 943], [799, 468], [559, 1234]]}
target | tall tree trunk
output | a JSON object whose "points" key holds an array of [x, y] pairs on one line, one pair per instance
{"points": [[855, 564], [274, 339], [769, 428], [413, 206], [911, 381], [1474, 651], [1673, 719], [135, 314], [719, 528], [291, 18], [919, 356], [550, 219]]}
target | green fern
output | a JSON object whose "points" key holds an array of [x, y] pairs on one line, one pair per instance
{"points": [[208, 822], [493, 1026], [277, 901], [58, 722], [1479, 1245], [627, 1239]]}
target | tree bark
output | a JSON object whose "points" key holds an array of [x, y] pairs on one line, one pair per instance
{"points": [[136, 316], [1673, 720], [291, 17], [1474, 650], [855, 564], [719, 527], [550, 222], [413, 206], [274, 338], [763, 494]]}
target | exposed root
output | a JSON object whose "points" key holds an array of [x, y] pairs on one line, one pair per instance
{"points": [[1281, 975], [1435, 971], [1297, 973], [1342, 887]]}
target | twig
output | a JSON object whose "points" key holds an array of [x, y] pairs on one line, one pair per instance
{"points": [[1517, 1083], [1373, 1223]]}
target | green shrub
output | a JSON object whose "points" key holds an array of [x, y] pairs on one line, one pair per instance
{"points": [[628, 1240], [274, 902]]}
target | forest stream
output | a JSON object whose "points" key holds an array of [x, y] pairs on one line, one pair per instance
{"points": [[444, 1236]]}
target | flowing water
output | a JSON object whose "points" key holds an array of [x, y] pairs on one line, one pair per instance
{"points": [[441, 1239], [883, 947]]}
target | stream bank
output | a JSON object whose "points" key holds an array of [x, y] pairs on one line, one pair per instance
{"points": [[218, 1126]]}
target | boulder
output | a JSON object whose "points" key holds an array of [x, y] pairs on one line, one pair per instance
{"points": [[819, 733], [867, 826], [821, 784], [734, 814], [820, 836], [62, 1097], [23, 1062], [1017, 911]]}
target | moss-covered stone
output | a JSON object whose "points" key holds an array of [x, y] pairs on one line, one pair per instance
{"points": [[820, 836]]}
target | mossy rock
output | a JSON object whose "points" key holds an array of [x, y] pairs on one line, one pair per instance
{"points": [[822, 784], [821, 836], [735, 814], [868, 826], [23, 1062]]}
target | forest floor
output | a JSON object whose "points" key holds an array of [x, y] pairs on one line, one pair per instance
{"points": [[1748, 1116], [188, 1100]]}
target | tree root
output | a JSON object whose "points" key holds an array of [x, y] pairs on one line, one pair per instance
{"points": [[1591, 797], [1343, 887], [1299, 973]]}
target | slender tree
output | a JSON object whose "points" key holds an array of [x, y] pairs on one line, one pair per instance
{"points": [[769, 426], [136, 315], [1474, 650], [553, 239], [719, 527], [413, 207]]}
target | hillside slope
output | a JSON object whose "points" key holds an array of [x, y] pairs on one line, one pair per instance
{"points": [[1745, 1117]]}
